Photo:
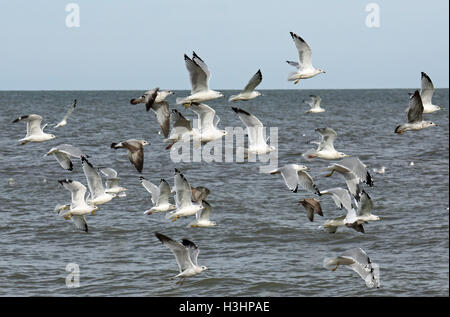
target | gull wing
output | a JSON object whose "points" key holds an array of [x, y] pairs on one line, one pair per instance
{"points": [[254, 127], [181, 252], [427, 89], [328, 136], [199, 78], [359, 168], [161, 109], [340, 196], [77, 191], [415, 108], [151, 188], [183, 196], [93, 178], [254, 81], [304, 52], [205, 115]]}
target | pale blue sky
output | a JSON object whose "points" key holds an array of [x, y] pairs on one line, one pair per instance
{"points": [[140, 44]]}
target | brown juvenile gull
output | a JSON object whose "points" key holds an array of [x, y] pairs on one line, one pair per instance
{"points": [[312, 206], [135, 151], [155, 99]]}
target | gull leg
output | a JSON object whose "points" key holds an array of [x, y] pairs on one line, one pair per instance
{"points": [[296, 82], [335, 268], [175, 219]]}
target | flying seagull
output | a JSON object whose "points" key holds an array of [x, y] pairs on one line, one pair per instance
{"points": [[295, 175], [249, 90], [312, 207], [186, 254], [340, 196], [199, 76], [304, 66], [314, 103], [326, 148], [257, 143], [155, 99], [202, 217], [34, 131], [365, 207], [94, 180], [183, 199], [357, 260], [160, 196], [64, 120], [135, 151], [62, 154], [415, 118], [78, 207]]}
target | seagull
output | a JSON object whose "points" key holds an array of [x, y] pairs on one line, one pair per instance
{"points": [[199, 193], [257, 143], [34, 131], [79, 207], [181, 130], [249, 90], [202, 217], [112, 182], [160, 196], [344, 221], [62, 154], [325, 149], [294, 175], [135, 151], [340, 196], [207, 130], [183, 199], [304, 66], [94, 180], [64, 120], [199, 76], [426, 93], [415, 119], [358, 168], [186, 254], [312, 206], [314, 103], [357, 260], [155, 99]]}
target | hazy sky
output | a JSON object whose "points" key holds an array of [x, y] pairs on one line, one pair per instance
{"points": [[140, 44]]}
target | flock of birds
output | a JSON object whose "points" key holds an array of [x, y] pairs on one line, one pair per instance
{"points": [[191, 201]]}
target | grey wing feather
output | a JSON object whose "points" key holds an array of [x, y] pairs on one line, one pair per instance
{"points": [[415, 108], [254, 81]]}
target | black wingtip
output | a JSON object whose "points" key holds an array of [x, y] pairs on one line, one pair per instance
{"points": [[189, 244], [113, 145]]}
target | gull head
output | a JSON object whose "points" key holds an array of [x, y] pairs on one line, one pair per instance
{"points": [[429, 124], [301, 168], [343, 155], [203, 268], [143, 142], [321, 71], [52, 136], [272, 148]]}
